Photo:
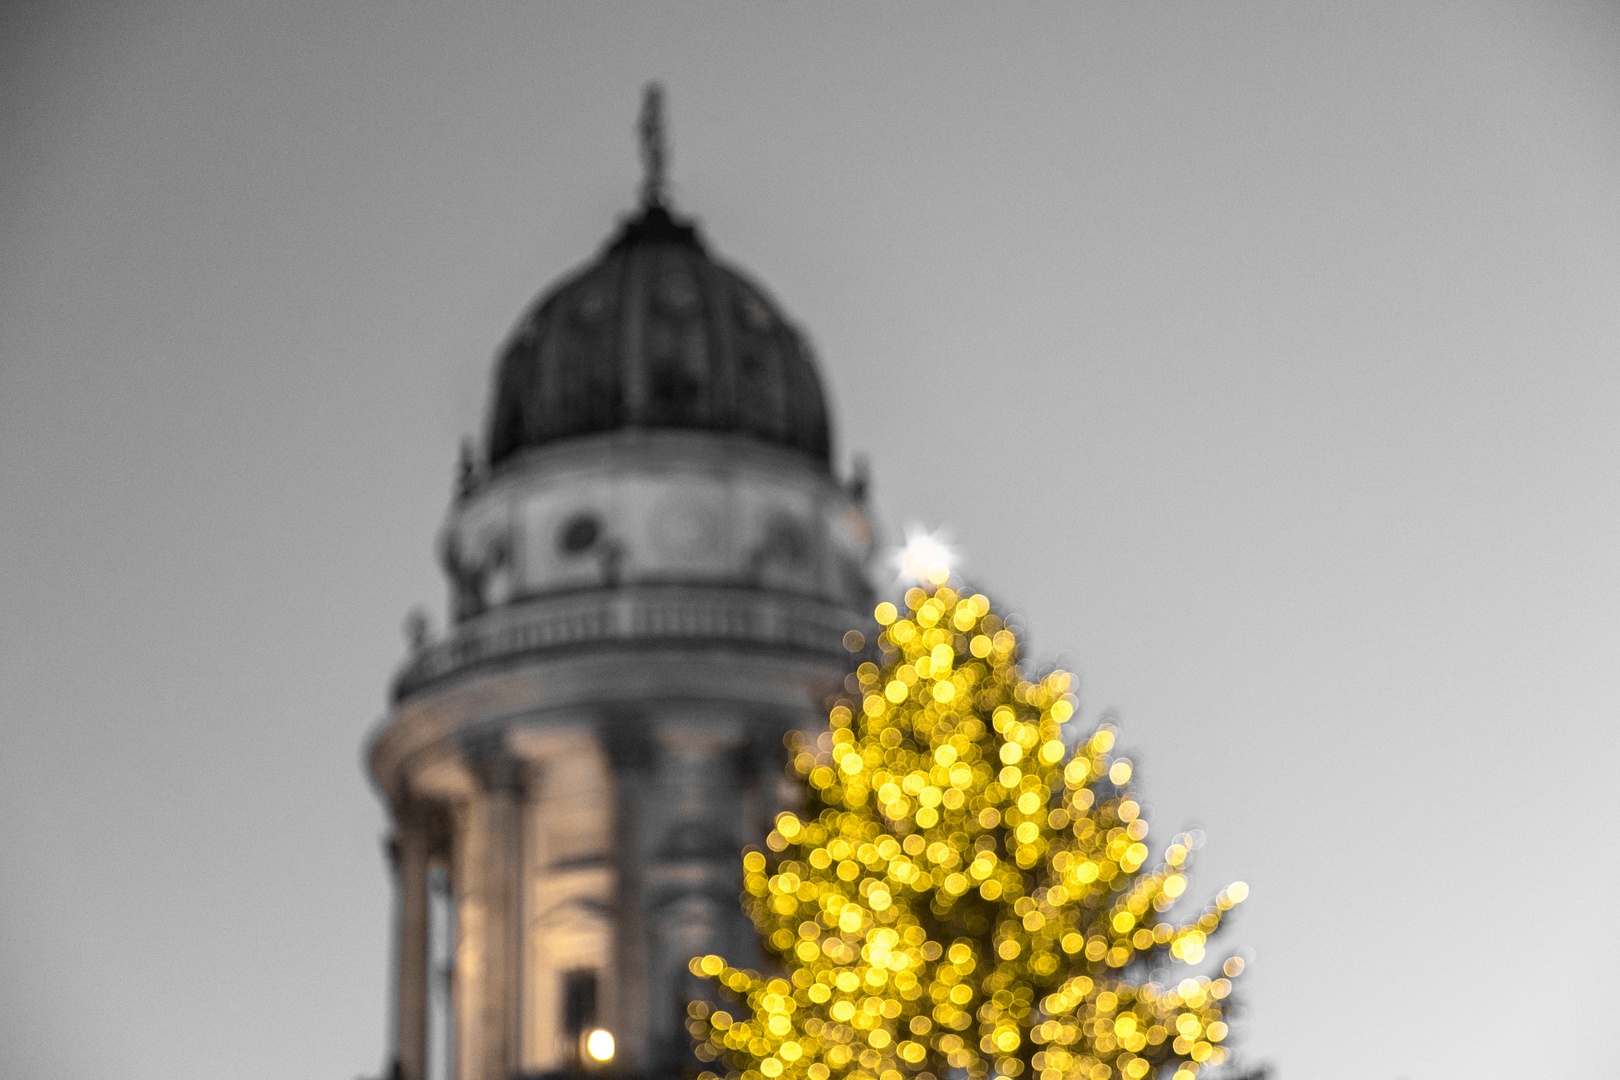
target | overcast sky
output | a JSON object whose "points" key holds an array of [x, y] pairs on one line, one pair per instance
{"points": [[1263, 356]]}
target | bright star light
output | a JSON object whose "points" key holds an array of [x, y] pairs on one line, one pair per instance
{"points": [[925, 558]]}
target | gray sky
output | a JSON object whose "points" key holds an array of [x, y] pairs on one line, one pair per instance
{"points": [[1261, 355]]}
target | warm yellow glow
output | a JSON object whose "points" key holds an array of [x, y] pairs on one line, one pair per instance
{"points": [[960, 892], [599, 1045]]}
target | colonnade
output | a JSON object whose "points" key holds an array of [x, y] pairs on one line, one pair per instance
{"points": [[606, 850]]}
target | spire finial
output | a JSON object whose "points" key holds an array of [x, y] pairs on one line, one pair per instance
{"points": [[654, 152]]}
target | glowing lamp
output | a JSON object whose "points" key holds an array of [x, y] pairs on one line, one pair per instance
{"points": [[599, 1045]]}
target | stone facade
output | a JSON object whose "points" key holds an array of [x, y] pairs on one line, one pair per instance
{"points": [[643, 605]]}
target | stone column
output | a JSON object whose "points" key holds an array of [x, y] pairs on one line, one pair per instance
{"points": [[411, 847], [470, 847], [532, 1046], [692, 881], [632, 755], [502, 778]]}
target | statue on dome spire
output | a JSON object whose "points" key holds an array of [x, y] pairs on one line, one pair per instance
{"points": [[654, 151]]}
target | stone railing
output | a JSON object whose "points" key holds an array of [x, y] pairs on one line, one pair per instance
{"points": [[641, 614]]}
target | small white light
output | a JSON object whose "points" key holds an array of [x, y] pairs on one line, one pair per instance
{"points": [[599, 1045], [926, 557]]}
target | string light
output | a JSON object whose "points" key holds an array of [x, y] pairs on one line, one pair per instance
{"points": [[962, 891]]}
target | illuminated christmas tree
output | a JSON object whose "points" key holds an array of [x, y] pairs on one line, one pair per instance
{"points": [[965, 890]]}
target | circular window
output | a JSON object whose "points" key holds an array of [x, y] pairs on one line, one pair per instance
{"points": [[580, 533]]}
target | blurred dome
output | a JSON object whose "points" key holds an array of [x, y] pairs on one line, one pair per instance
{"points": [[655, 333]]}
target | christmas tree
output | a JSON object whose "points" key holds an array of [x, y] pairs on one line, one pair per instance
{"points": [[964, 890]]}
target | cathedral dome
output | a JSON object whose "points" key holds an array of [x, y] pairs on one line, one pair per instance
{"points": [[656, 333]]}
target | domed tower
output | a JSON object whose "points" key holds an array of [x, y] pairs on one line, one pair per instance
{"points": [[652, 570]]}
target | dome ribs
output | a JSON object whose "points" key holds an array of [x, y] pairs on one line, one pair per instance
{"points": [[656, 333]]}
